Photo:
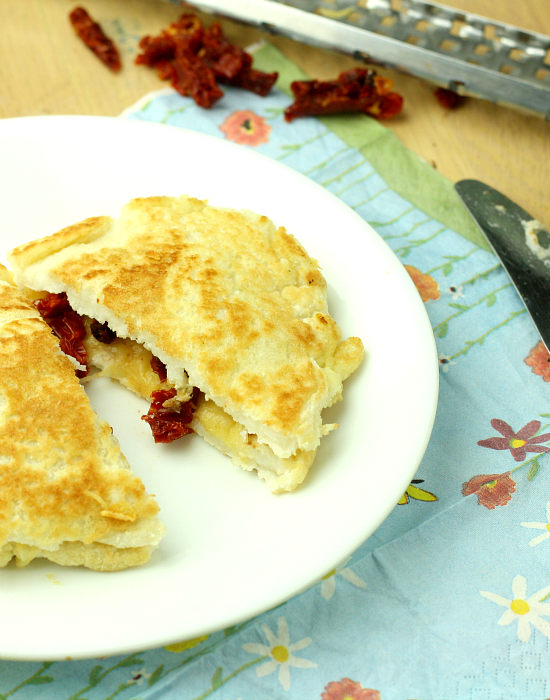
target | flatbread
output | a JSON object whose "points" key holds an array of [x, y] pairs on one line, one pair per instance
{"points": [[66, 491], [230, 303]]}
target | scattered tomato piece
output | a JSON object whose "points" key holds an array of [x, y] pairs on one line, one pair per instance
{"points": [[194, 59], [355, 90], [448, 98], [95, 38]]}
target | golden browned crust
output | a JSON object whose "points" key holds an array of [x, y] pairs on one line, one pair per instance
{"points": [[83, 232], [225, 295], [63, 478]]}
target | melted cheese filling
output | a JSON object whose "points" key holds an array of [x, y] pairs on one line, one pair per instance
{"points": [[126, 361], [123, 360]]}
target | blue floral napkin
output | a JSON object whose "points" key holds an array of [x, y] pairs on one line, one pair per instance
{"points": [[450, 598]]}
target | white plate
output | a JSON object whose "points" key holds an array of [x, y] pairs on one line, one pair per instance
{"points": [[232, 550]]}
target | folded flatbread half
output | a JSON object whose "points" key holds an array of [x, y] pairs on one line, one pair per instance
{"points": [[66, 491], [234, 309]]}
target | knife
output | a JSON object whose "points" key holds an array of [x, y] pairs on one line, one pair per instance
{"points": [[521, 243]]}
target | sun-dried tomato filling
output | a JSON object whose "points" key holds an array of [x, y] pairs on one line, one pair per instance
{"points": [[102, 332], [66, 325], [169, 423], [159, 367]]}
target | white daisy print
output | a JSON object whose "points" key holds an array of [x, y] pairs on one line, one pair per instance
{"points": [[328, 585], [445, 362], [139, 677], [540, 526], [457, 292], [281, 652], [527, 611]]}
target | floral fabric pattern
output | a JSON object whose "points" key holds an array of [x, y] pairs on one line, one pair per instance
{"points": [[281, 652], [491, 489], [525, 611], [426, 285], [539, 360], [540, 526], [347, 689], [246, 127], [518, 443]]}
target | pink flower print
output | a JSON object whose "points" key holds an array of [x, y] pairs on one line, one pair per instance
{"points": [[492, 489], [518, 443], [539, 361], [347, 689], [246, 128], [426, 285]]}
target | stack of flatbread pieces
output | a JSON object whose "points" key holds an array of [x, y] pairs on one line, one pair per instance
{"points": [[66, 490], [207, 311]]}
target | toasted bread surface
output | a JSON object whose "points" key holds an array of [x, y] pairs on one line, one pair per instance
{"points": [[64, 483], [222, 296]]}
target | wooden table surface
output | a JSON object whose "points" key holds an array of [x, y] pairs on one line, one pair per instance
{"points": [[45, 69]]}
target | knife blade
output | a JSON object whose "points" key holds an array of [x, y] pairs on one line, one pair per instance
{"points": [[521, 243]]}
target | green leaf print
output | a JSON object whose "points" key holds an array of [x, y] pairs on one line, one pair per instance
{"points": [[443, 330], [95, 675], [491, 300], [157, 673], [131, 661], [40, 680], [217, 678], [533, 470]]}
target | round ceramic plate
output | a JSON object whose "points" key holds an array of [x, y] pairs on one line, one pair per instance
{"points": [[232, 549]]}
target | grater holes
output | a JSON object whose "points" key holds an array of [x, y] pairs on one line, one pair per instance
{"points": [[517, 55], [458, 27], [396, 5], [490, 32], [482, 49], [448, 45], [542, 74], [422, 25], [507, 69], [388, 21], [546, 59]]}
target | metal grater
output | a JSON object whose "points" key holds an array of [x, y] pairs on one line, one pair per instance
{"points": [[464, 52]]}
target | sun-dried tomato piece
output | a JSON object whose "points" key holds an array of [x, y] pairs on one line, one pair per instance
{"points": [[102, 332], [448, 98], [388, 106], [225, 59], [195, 59], [233, 65], [66, 325], [166, 423], [159, 367], [70, 330], [194, 79], [355, 90], [156, 49], [53, 305], [95, 38], [254, 81]]}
